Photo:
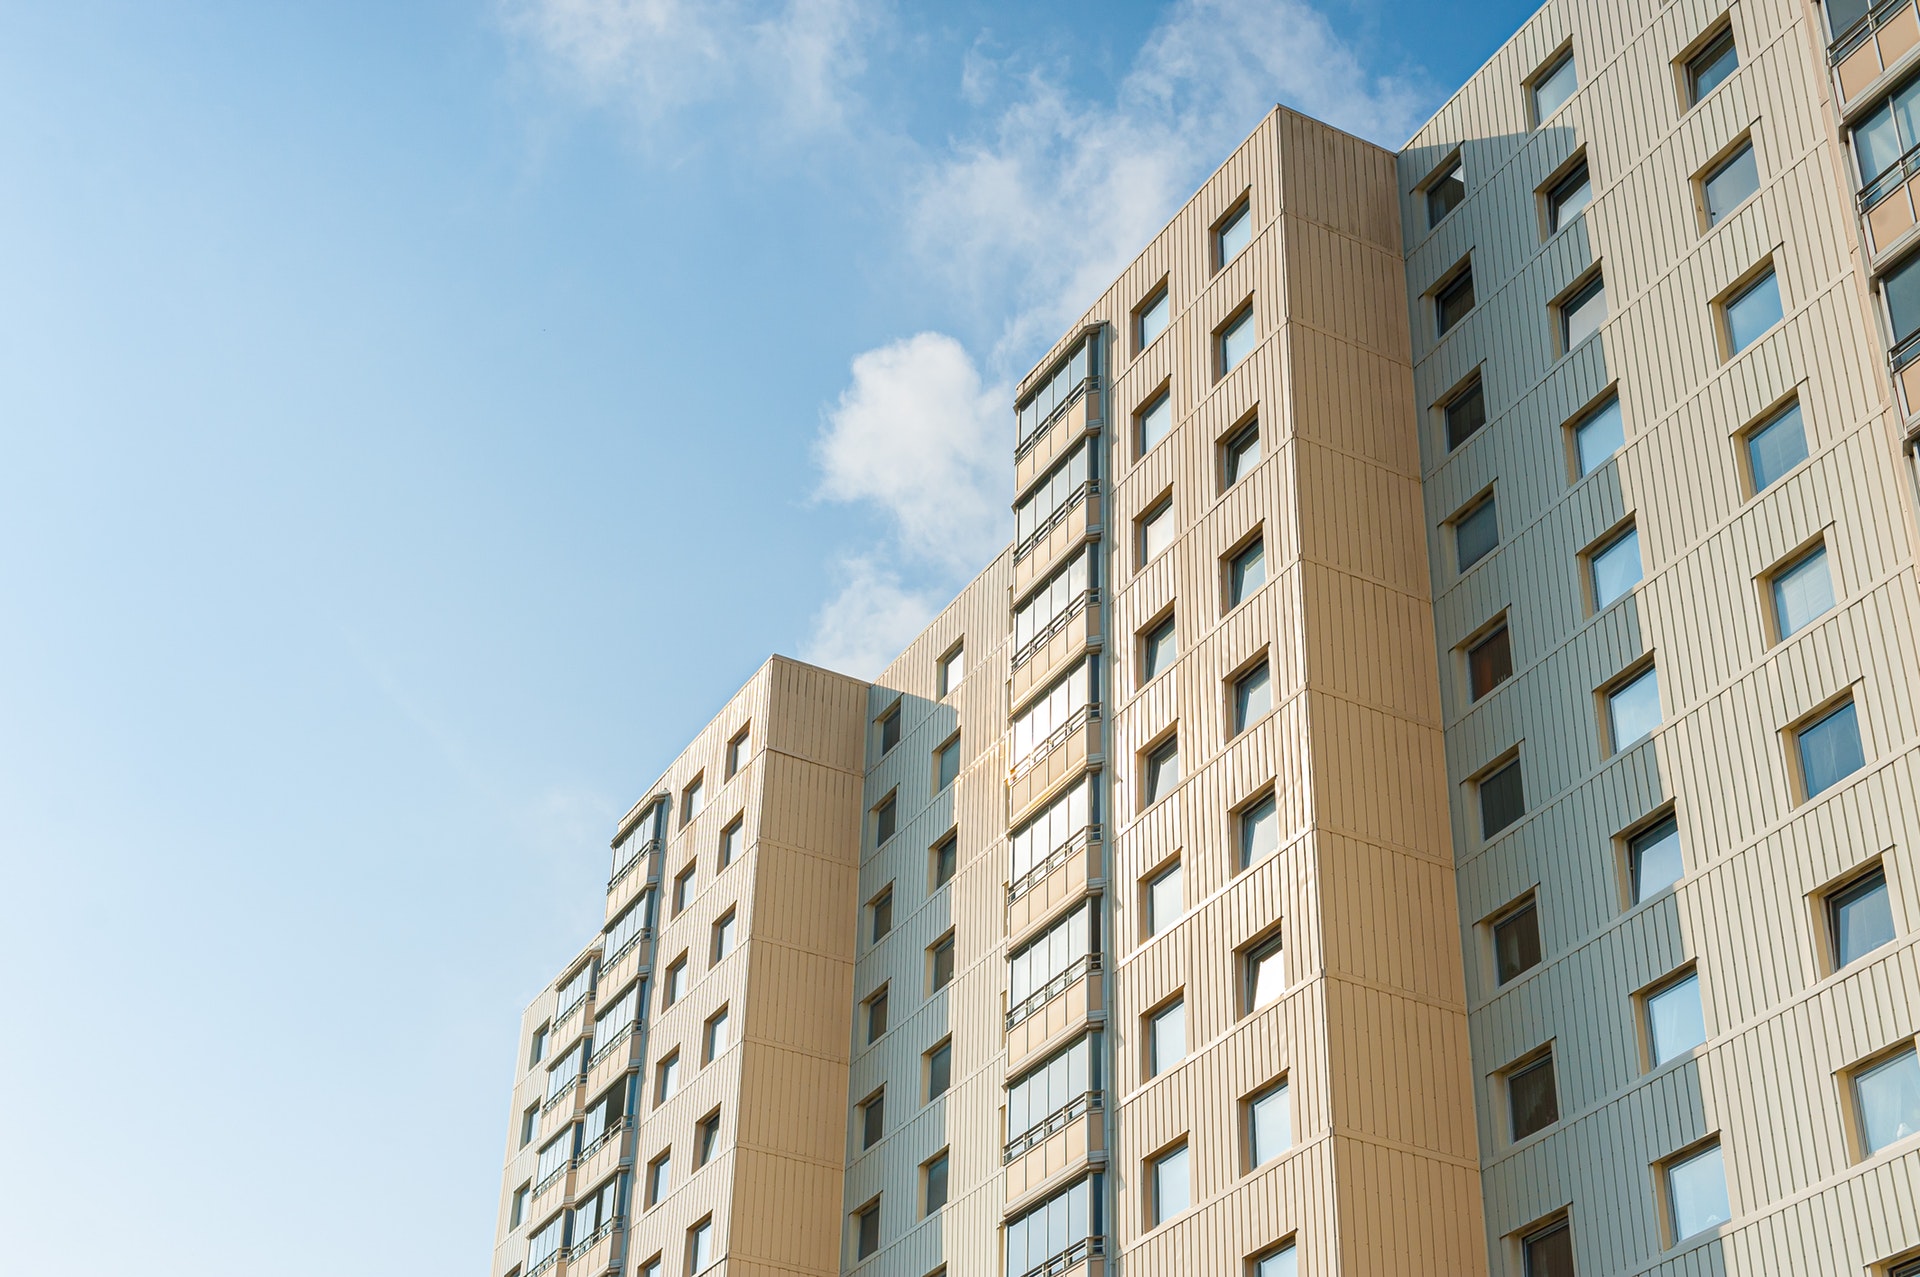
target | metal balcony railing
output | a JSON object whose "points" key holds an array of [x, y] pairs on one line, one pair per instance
{"points": [[607, 1229], [625, 867], [1039, 431], [600, 1141], [1890, 181], [1056, 738], [1052, 1124], [1075, 607], [1058, 856], [1905, 352], [1074, 972], [1853, 37], [1078, 1253], [1060, 512]]}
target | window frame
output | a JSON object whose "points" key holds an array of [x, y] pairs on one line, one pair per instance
{"points": [[1266, 798], [1269, 944], [1553, 190], [1449, 287], [949, 748], [1485, 776], [1240, 318], [1241, 693], [1149, 882], [872, 1116], [1608, 695], [1595, 409], [1643, 1000], [932, 1061], [1235, 567], [1687, 66], [1453, 166], [1527, 903], [1562, 56], [944, 680], [1146, 643], [1633, 841], [1533, 1062], [1582, 292], [1241, 210], [941, 1162], [879, 905], [1712, 170], [1486, 499], [1154, 511], [1157, 1212], [1232, 469], [888, 729], [1474, 383], [1279, 1089], [941, 868], [1158, 295], [1859, 1145], [1150, 1039], [1500, 625], [1857, 883], [1796, 732], [1749, 434], [1590, 558], [1800, 557], [1669, 1214], [1768, 268], [1157, 400], [873, 1014], [737, 755], [945, 944], [1152, 760]]}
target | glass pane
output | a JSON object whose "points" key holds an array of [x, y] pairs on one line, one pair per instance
{"points": [[1655, 860], [1454, 301], [1171, 1190], [1153, 320], [1169, 1034], [1776, 448], [1253, 696], [1674, 1021], [1243, 454], [1259, 831], [1466, 414], [1159, 650], [1843, 14], [1582, 316], [1476, 535], [1876, 143], [1549, 1252], [1270, 1125], [1489, 663], [1830, 750], [1531, 1098], [1862, 919], [1516, 943], [1731, 184], [1699, 1188], [1616, 569], [1235, 233], [1163, 772], [1903, 300], [1633, 711], [1502, 800], [1165, 902], [1236, 343], [1889, 1097], [1266, 976], [1599, 437], [1249, 571], [1802, 593], [1156, 533], [1753, 312], [1712, 65], [1574, 193], [1444, 194], [1155, 421], [1282, 1263], [1552, 90]]}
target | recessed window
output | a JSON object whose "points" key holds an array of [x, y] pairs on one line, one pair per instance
{"points": [[1532, 1102], [1802, 592], [1166, 1037], [737, 753], [518, 1214], [1150, 320], [1156, 531], [1553, 85], [1708, 69], [1633, 709], [1259, 831], [692, 799], [940, 964], [939, 1070], [666, 1078], [1653, 859], [953, 668], [1614, 568], [700, 1247], [1269, 1125], [1567, 197], [945, 860], [706, 1139], [1466, 412], [933, 1182], [1776, 446], [529, 1124], [882, 911], [1242, 454], [1283, 1262], [866, 1230], [946, 764], [1516, 942], [1163, 770], [723, 936], [1236, 341], [1165, 899], [683, 889], [732, 839], [537, 1050], [1452, 301], [1830, 750], [877, 1016], [1697, 1193], [1675, 1023], [1264, 974], [1475, 534], [1598, 435], [873, 1119], [1502, 799], [1246, 573], [886, 818], [1887, 1098], [1548, 1252], [674, 987], [659, 1178], [889, 729], [1158, 647], [649, 1269], [1489, 662], [1582, 313], [1154, 421], [1172, 1189], [1730, 184], [1252, 696], [717, 1035], [1234, 233], [1860, 918], [1444, 192], [1752, 311]]}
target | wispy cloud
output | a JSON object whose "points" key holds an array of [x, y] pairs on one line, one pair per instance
{"points": [[870, 621]]}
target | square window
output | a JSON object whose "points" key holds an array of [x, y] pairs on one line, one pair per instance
{"points": [[1466, 412], [946, 764], [1502, 799], [1265, 972], [706, 1139], [659, 1178], [1708, 69], [674, 987], [1532, 1103], [877, 1016], [732, 838], [1633, 709], [718, 1036], [1653, 859], [737, 753], [1598, 435], [1236, 340], [1860, 918], [933, 1177], [692, 799], [1452, 301], [1166, 899], [1259, 831], [885, 820], [882, 911], [1614, 569], [939, 1070], [1582, 313], [1155, 421], [1887, 1098], [666, 1078], [1166, 1037], [1548, 1252], [1675, 1023], [1444, 192], [940, 964], [1252, 697], [1269, 1125], [1234, 233], [953, 668], [1172, 1190], [1489, 662], [1156, 531], [723, 937], [873, 1119], [946, 860], [889, 729], [1568, 197], [1151, 319], [1284, 1262], [1830, 750], [1247, 573], [1552, 86], [1802, 592], [1730, 184], [1242, 454], [1158, 647], [1752, 311], [1475, 534], [1163, 770], [1516, 942], [866, 1228], [1697, 1193], [1775, 447]]}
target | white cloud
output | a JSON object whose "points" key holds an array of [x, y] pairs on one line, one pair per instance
{"points": [[870, 621]]}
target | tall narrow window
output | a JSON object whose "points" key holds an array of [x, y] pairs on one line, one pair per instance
{"points": [[1466, 412], [1830, 750], [1516, 942], [1166, 901], [1247, 573], [1582, 313], [1156, 531], [1452, 301], [1752, 311], [1166, 1038], [1708, 69], [1252, 697], [933, 1177], [666, 1078], [1259, 831], [1633, 709], [1264, 973], [1615, 568], [1776, 446], [1475, 534], [537, 1050], [1599, 435], [1860, 918], [732, 838], [674, 987], [882, 911], [873, 1119], [1553, 85], [659, 1178], [1675, 1022], [939, 1070], [1151, 318], [940, 964], [1269, 1125], [1236, 341], [1489, 662], [1502, 799], [1444, 192], [866, 1230], [700, 1247], [1242, 454], [945, 860], [723, 934], [1158, 647], [737, 753], [1548, 1252], [692, 799], [718, 1035], [1163, 770], [953, 668], [1155, 421], [946, 764], [889, 729], [885, 819], [1802, 592], [1234, 233], [1653, 859], [1697, 1193], [1172, 1191], [683, 889], [1887, 1098], [706, 1139], [1532, 1102], [519, 1213], [1729, 184], [1568, 197], [877, 1016]]}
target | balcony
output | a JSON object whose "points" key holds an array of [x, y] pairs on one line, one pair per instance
{"points": [[549, 1193], [599, 1250], [1048, 654], [1066, 1143], [629, 962], [1053, 440], [1037, 895], [1085, 1258], [1905, 360], [618, 1056], [1059, 536], [610, 1150], [1064, 1006], [1871, 47], [1056, 761], [1890, 204]]}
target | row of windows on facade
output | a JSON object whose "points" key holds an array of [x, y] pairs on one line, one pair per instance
{"points": [[699, 1253]]}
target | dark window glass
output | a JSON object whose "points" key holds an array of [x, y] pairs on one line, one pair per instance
{"points": [[939, 1071], [936, 1183], [1903, 300], [946, 859], [1568, 196], [1549, 1252], [884, 817], [869, 1230], [890, 730], [946, 765], [1531, 1098], [882, 914], [1489, 663], [1453, 301], [1475, 534], [1516, 942], [1259, 831], [1444, 194], [943, 964], [1502, 799], [876, 1017], [1466, 413], [873, 1120]]}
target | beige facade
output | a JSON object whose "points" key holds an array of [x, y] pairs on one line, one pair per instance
{"points": [[1427, 790]]}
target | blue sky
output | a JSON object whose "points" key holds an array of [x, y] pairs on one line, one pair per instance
{"points": [[417, 419]]}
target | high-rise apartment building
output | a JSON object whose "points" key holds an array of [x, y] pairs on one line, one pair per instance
{"points": [[1431, 787]]}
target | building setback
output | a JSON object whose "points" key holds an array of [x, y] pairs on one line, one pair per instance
{"points": [[1428, 790]]}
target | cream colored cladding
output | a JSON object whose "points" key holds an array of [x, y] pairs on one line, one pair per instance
{"points": [[1769, 1083]]}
